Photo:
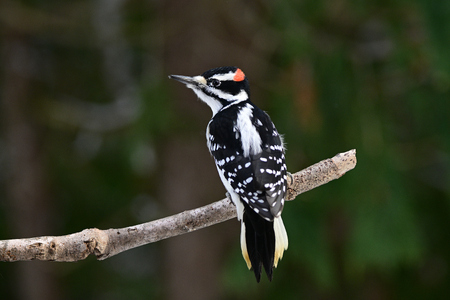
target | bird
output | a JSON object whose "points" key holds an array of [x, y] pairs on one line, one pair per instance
{"points": [[249, 154]]}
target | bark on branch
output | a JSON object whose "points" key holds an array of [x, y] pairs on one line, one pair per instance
{"points": [[107, 243]]}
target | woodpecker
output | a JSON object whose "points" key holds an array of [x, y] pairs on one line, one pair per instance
{"points": [[249, 156]]}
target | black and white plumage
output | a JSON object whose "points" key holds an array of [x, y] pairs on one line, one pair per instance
{"points": [[249, 156]]}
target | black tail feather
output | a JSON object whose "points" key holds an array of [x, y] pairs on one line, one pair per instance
{"points": [[260, 239]]}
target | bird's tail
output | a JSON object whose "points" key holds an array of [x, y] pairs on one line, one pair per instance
{"points": [[262, 242]]}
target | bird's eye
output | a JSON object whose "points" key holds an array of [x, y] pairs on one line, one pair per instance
{"points": [[215, 83]]}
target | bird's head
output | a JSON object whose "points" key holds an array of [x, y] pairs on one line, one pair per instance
{"points": [[218, 87]]}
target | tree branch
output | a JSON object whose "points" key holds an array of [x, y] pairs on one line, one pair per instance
{"points": [[106, 243]]}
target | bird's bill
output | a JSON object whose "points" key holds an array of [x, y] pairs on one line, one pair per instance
{"points": [[189, 81]]}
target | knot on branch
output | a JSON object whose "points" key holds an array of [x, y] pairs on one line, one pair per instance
{"points": [[96, 241]]}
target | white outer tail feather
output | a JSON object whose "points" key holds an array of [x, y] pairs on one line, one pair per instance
{"points": [[281, 239], [244, 246]]}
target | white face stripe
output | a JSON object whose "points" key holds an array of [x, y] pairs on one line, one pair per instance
{"points": [[239, 97], [212, 103], [223, 77]]}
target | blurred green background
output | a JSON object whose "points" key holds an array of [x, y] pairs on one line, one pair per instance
{"points": [[94, 134]]}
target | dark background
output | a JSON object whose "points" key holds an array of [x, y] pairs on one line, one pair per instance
{"points": [[94, 134]]}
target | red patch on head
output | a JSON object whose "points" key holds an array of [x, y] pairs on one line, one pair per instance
{"points": [[239, 75]]}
